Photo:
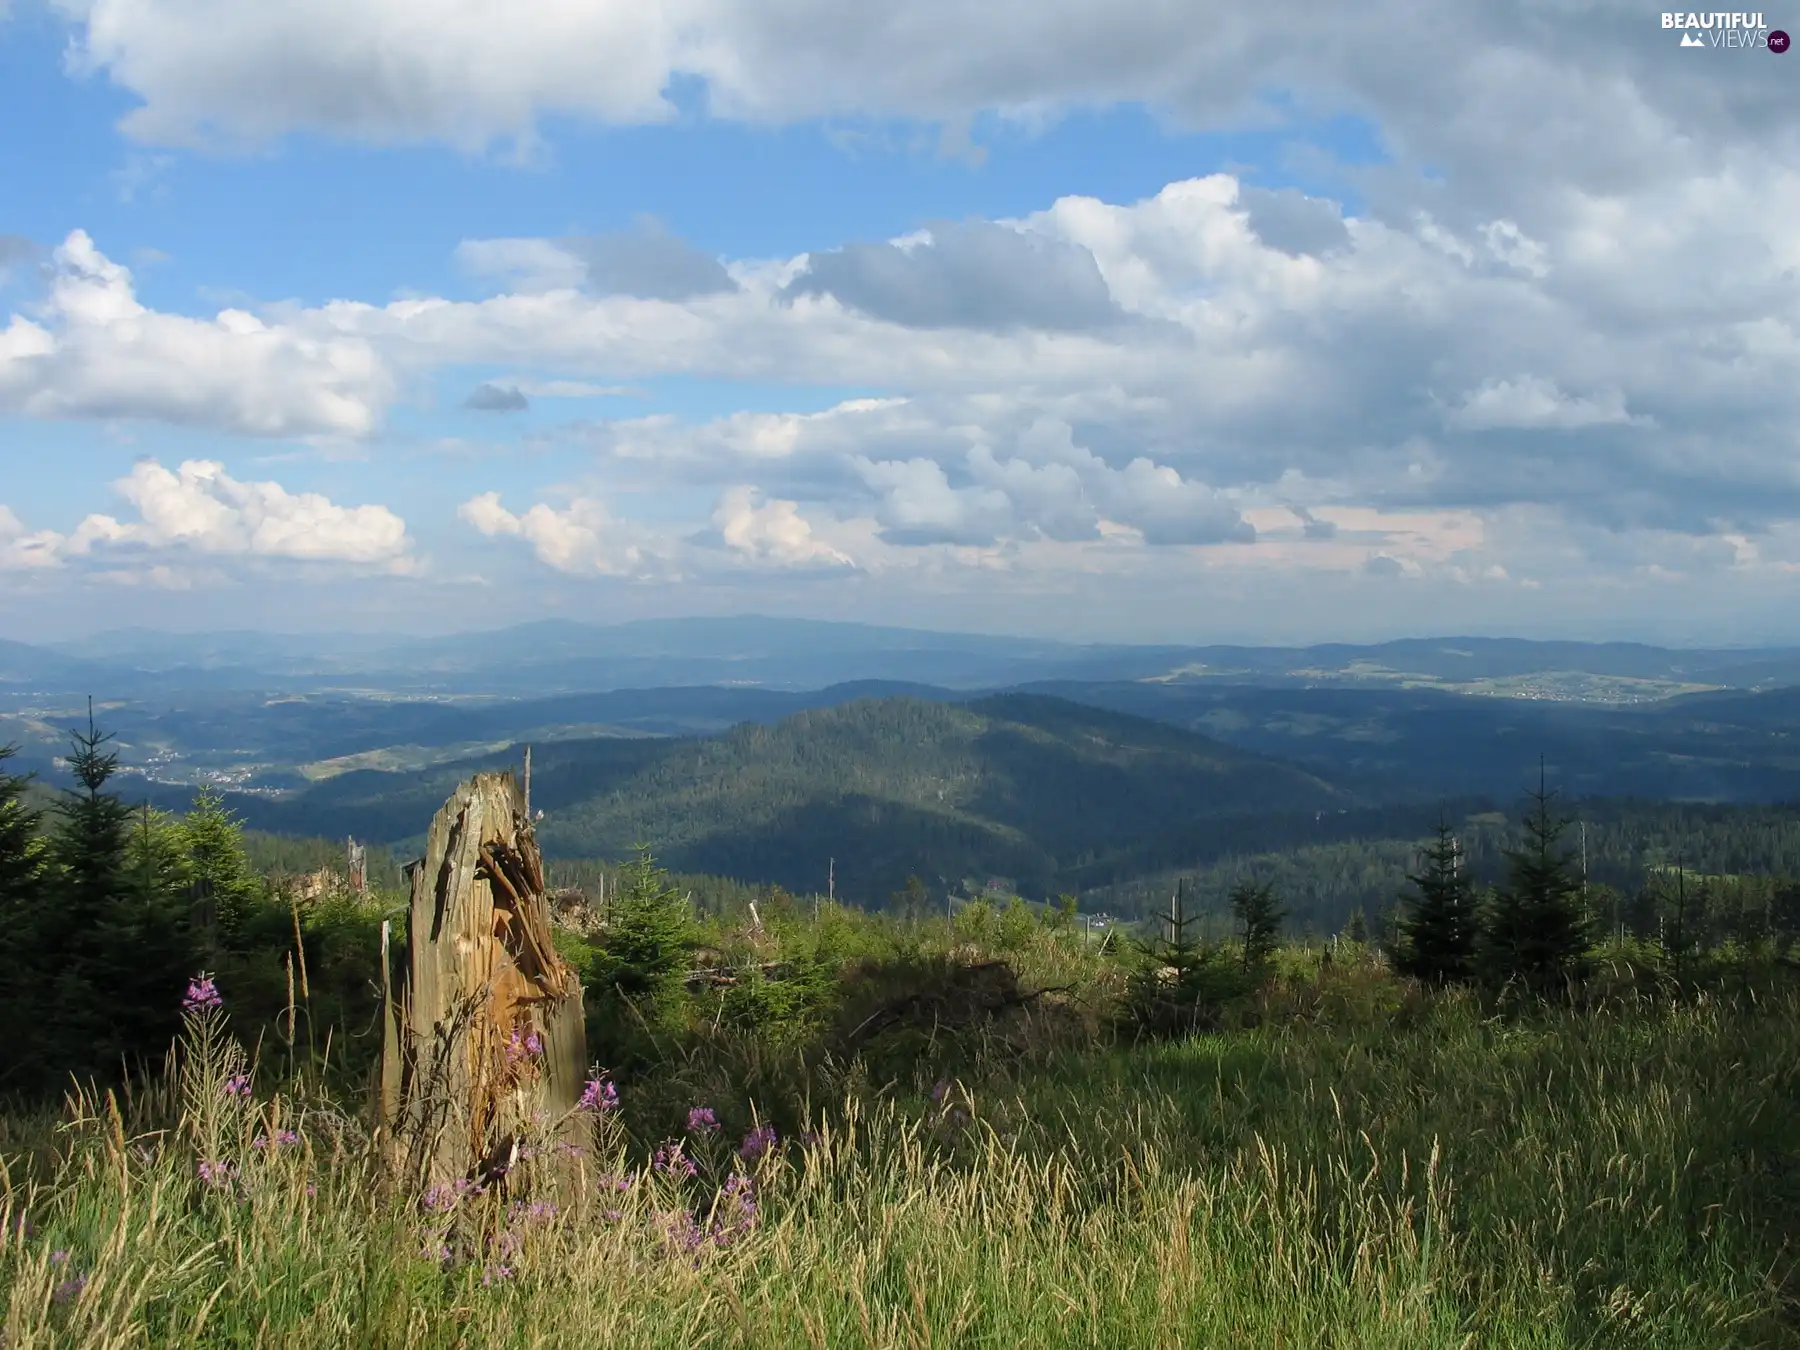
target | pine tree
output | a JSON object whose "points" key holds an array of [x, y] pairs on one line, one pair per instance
{"points": [[1537, 931], [1259, 919], [1437, 932]]}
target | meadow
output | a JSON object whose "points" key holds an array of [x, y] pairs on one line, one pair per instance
{"points": [[1347, 1159]]}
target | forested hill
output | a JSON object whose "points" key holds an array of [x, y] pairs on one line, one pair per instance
{"points": [[1016, 786]]}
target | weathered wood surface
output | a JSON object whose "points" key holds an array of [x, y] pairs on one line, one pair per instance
{"points": [[485, 1048]]}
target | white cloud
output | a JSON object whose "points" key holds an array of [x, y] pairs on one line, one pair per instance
{"points": [[581, 539], [200, 509], [1493, 88], [772, 532], [94, 351], [21, 549]]}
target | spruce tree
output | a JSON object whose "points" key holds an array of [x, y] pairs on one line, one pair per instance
{"points": [[1437, 932], [1259, 919], [22, 898], [651, 934], [1537, 932], [113, 941], [220, 883]]}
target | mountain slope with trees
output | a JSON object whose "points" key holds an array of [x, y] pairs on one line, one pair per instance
{"points": [[1015, 785]]}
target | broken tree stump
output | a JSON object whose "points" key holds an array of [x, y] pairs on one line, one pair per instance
{"points": [[485, 1048]]}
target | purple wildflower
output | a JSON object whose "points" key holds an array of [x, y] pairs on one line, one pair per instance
{"points": [[438, 1199], [495, 1274], [610, 1215], [671, 1161], [201, 994], [683, 1233], [238, 1085], [523, 1045], [940, 1090], [215, 1173], [609, 1182], [599, 1095], [287, 1138], [69, 1290], [701, 1120], [758, 1142]]}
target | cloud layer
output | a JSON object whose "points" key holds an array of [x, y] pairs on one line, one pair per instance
{"points": [[1526, 355]]}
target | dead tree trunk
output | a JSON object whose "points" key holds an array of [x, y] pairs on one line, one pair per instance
{"points": [[485, 1048]]}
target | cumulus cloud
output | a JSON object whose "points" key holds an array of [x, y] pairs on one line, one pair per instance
{"points": [[200, 509], [94, 351], [772, 532], [21, 549], [497, 398], [581, 539], [972, 275]]}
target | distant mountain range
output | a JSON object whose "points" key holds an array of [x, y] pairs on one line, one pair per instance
{"points": [[793, 654]]}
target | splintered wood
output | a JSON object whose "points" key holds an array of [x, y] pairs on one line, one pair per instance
{"points": [[485, 1049]]}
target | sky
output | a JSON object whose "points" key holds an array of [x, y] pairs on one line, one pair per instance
{"points": [[1110, 320]]}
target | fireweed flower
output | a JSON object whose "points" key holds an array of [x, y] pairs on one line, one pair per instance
{"points": [[438, 1199], [238, 1085], [758, 1142], [287, 1137], [940, 1090], [671, 1161], [701, 1120], [202, 993], [599, 1095], [215, 1173], [683, 1233], [69, 1290], [523, 1045]]}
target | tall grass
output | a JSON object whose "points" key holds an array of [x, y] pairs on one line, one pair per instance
{"points": [[1625, 1176]]}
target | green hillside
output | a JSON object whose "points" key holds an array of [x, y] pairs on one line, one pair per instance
{"points": [[1018, 786]]}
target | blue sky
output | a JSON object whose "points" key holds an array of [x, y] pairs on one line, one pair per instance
{"points": [[1113, 320]]}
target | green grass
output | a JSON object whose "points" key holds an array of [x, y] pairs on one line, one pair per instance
{"points": [[1368, 1168]]}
